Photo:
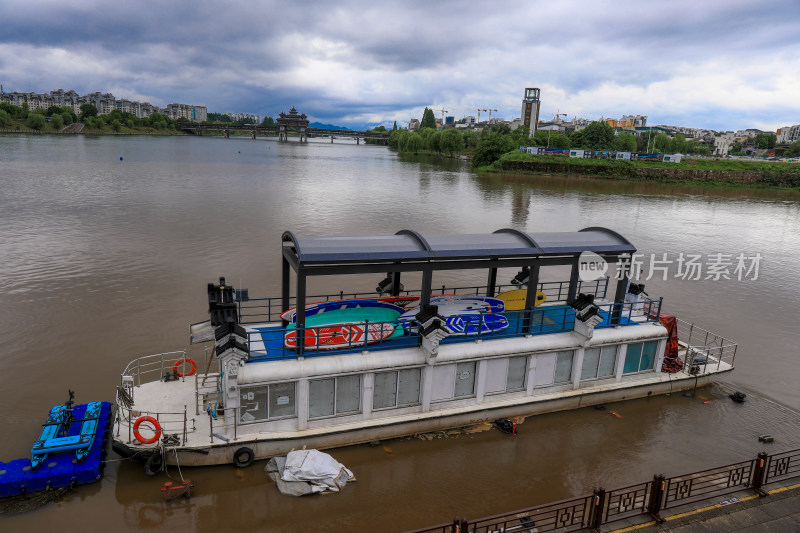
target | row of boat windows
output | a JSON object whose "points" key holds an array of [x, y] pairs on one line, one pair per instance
{"points": [[342, 395]]}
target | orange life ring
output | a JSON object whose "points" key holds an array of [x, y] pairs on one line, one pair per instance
{"points": [[188, 362], [138, 435]]}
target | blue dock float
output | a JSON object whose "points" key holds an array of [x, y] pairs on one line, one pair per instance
{"points": [[60, 469]]}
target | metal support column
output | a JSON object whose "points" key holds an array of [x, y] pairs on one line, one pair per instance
{"points": [[285, 272], [573, 282], [759, 470], [598, 504], [492, 283], [530, 297], [619, 295], [656, 495], [427, 281], [395, 283], [301, 311]]}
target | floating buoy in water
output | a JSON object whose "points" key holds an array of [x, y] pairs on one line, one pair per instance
{"points": [[615, 414], [707, 401], [120, 158]]}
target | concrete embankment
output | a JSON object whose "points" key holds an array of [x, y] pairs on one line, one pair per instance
{"points": [[780, 177]]}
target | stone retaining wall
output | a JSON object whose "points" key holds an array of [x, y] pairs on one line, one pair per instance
{"points": [[782, 177]]}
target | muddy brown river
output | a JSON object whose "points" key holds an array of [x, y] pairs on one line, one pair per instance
{"points": [[107, 244]]}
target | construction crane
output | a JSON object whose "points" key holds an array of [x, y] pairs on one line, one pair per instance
{"points": [[556, 115], [490, 113], [443, 110]]}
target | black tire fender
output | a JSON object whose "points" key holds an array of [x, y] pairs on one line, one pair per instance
{"points": [[243, 457], [154, 464]]}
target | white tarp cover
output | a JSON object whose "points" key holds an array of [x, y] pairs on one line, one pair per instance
{"points": [[307, 472]]}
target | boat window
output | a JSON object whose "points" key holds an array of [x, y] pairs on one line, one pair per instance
{"points": [[281, 400], [517, 368], [444, 379], [267, 402], [598, 362], [384, 392], [348, 394], [334, 396], [496, 375], [408, 386], [465, 380], [640, 356], [648, 355], [253, 404], [321, 393], [608, 361], [563, 372], [396, 389], [506, 374]]}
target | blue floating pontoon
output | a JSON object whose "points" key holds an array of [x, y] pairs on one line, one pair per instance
{"points": [[51, 466]]}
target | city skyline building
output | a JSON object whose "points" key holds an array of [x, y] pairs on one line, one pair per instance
{"points": [[530, 109], [104, 102]]}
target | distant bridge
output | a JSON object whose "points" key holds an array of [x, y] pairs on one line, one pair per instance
{"points": [[272, 131]]}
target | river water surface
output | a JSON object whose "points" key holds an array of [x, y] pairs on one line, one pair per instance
{"points": [[107, 244]]}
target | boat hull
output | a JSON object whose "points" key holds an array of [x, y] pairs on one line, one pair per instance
{"points": [[221, 452]]}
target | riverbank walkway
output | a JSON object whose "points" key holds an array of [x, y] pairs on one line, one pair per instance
{"points": [[742, 512]]}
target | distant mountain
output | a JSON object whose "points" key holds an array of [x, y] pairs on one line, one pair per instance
{"points": [[320, 125], [354, 126]]}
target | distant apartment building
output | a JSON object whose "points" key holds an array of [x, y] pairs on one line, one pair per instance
{"points": [[413, 124], [723, 142], [627, 122], [788, 134], [639, 121], [63, 98], [470, 120], [139, 109], [750, 132], [620, 124], [195, 113], [104, 102]]}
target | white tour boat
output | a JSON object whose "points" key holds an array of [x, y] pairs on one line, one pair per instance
{"points": [[323, 371]]}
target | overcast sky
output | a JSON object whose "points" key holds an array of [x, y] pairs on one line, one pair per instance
{"points": [[723, 65]]}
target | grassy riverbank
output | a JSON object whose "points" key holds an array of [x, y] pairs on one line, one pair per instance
{"points": [[107, 129], [706, 171]]}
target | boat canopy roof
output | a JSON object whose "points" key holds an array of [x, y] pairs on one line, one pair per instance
{"points": [[411, 246], [409, 251]]}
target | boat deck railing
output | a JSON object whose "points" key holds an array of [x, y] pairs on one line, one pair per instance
{"points": [[203, 378], [260, 310], [268, 343], [704, 350], [155, 367]]}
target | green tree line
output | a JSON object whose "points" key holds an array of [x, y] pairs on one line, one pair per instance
{"points": [[59, 117], [488, 145]]}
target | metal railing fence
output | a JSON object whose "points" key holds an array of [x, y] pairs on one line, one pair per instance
{"points": [[591, 511], [275, 342], [704, 348], [262, 310]]}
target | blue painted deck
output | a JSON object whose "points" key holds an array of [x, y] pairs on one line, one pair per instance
{"points": [[60, 469], [545, 320]]}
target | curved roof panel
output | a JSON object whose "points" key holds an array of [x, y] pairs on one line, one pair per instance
{"points": [[407, 245]]}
